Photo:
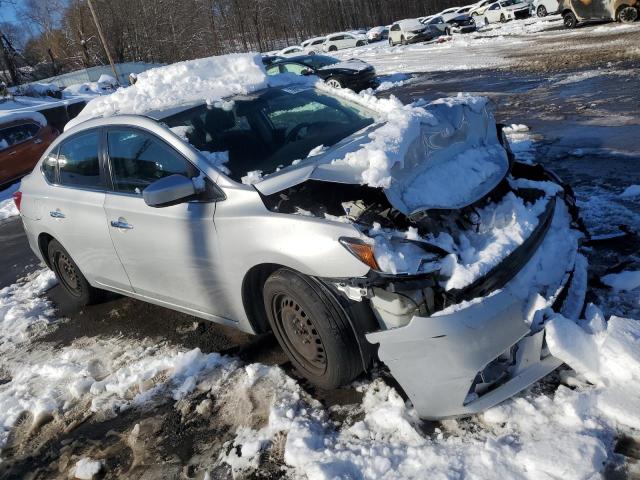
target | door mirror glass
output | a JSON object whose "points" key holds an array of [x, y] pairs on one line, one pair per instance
{"points": [[169, 191], [307, 71]]}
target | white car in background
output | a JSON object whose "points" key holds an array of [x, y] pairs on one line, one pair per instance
{"points": [[542, 8], [480, 8], [313, 45], [290, 51], [378, 33], [449, 13], [410, 31], [339, 41], [506, 10]]}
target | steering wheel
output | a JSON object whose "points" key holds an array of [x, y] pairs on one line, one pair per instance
{"points": [[294, 134]]}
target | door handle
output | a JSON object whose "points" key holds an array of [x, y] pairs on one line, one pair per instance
{"points": [[57, 214], [13, 152], [120, 223]]}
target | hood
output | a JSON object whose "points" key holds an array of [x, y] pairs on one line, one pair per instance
{"points": [[448, 164], [353, 64], [517, 6]]}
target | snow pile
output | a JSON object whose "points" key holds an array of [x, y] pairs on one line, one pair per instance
{"points": [[7, 205], [210, 79], [23, 311], [86, 469], [8, 117], [623, 281]]}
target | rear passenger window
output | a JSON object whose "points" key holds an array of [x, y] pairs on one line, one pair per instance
{"points": [[78, 163], [138, 159]]}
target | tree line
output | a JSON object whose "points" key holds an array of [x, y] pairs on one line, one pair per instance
{"points": [[58, 36]]}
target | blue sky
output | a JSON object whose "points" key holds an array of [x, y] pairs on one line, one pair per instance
{"points": [[8, 11]]}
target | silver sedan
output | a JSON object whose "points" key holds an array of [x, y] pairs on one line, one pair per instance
{"points": [[162, 208]]}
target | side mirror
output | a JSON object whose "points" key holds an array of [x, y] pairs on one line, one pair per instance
{"points": [[169, 191], [307, 71]]}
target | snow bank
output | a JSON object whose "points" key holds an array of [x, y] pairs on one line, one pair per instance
{"points": [[9, 116], [210, 79]]}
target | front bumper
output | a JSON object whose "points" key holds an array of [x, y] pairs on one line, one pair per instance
{"points": [[477, 353]]}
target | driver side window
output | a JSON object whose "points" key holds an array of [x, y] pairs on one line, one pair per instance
{"points": [[138, 158], [495, 6]]}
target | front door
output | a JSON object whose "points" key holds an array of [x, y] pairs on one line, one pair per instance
{"points": [[592, 9], [169, 253]]}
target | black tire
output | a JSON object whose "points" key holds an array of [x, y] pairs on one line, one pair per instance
{"points": [[312, 329], [70, 276], [390, 42], [486, 21], [542, 11], [403, 41], [503, 19], [311, 52], [359, 43], [626, 14], [333, 48], [447, 31], [570, 20]]}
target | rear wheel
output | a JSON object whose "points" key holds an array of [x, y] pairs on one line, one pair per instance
{"points": [[333, 48], [312, 329], [626, 14], [447, 31], [333, 82], [390, 42], [503, 19], [570, 20], [542, 11], [70, 276], [403, 41], [359, 43], [486, 21]]}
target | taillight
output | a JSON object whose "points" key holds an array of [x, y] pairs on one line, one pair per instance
{"points": [[17, 199]]}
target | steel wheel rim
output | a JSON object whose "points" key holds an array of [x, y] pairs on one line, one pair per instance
{"points": [[299, 334], [68, 274], [542, 11], [568, 21]]}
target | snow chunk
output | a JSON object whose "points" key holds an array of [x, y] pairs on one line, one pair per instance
{"points": [[86, 468], [7, 205], [631, 191], [623, 281], [211, 79], [252, 177]]}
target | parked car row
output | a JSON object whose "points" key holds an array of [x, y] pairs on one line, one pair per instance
{"points": [[329, 43]]}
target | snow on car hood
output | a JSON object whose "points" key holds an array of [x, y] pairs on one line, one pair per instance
{"points": [[162, 88], [353, 64], [445, 155]]}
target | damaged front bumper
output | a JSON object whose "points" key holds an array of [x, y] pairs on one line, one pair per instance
{"points": [[475, 354]]}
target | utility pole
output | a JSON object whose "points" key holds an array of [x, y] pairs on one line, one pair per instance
{"points": [[102, 39], [8, 59]]}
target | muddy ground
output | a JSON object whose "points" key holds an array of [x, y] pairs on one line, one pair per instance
{"points": [[587, 130]]}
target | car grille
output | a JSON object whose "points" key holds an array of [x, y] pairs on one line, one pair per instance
{"points": [[524, 13]]}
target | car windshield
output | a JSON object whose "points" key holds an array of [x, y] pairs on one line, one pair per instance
{"points": [[319, 61], [271, 129]]}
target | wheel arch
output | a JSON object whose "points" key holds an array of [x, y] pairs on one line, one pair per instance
{"points": [[358, 314], [44, 239]]}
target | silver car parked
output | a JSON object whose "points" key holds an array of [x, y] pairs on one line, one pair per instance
{"points": [[135, 205]]}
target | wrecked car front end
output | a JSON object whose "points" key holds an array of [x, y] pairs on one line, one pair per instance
{"points": [[469, 249]]}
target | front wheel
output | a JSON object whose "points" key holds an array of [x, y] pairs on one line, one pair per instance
{"points": [[503, 19], [333, 48], [570, 20], [626, 14], [447, 31], [542, 11], [333, 82], [390, 42], [359, 43], [70, 276], [312, 329]]}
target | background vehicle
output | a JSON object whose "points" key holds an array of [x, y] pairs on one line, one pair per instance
{"points": [[338, 41], [480, 8], [353, 74], [438, 24], [378, 33], [449, 13], [506, 10], [575, 11], [462, 23], [288, 51], [410, 31], [312, 45], [542, 8], [23, 139]]}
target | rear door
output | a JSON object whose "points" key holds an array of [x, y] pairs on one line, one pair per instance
{"points": [[170, 254], [75, 209], [586, 9]]}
